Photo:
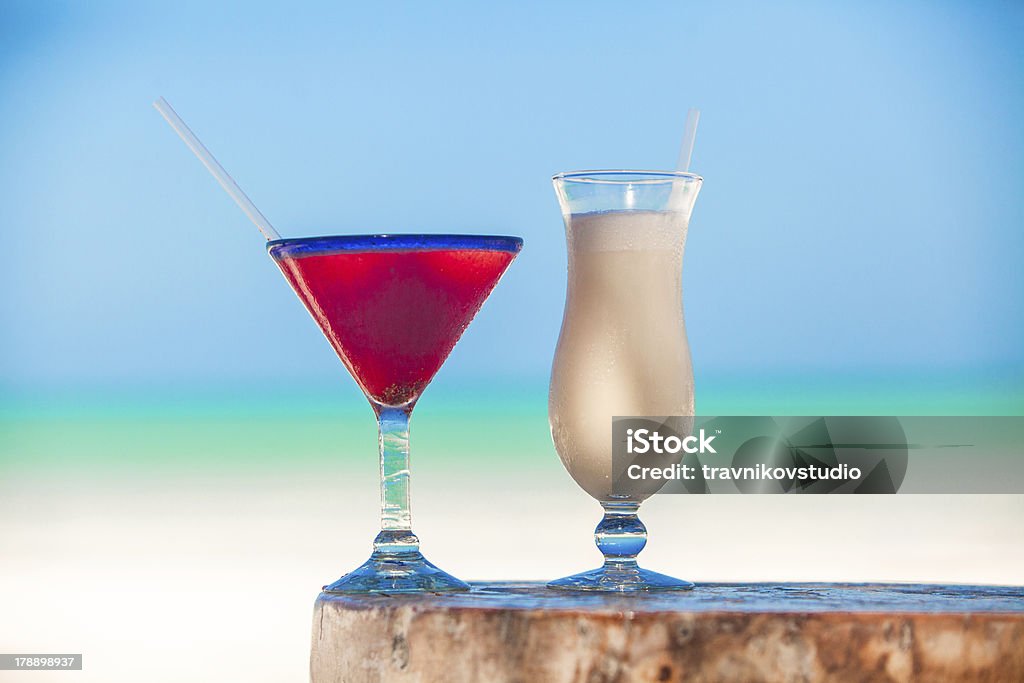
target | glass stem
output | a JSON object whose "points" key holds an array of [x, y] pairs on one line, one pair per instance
{"points": [[620, 536], [395, 535]]}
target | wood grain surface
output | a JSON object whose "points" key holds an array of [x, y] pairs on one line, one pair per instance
{"points": [[525, 632]]}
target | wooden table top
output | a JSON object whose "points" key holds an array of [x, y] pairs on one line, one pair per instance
{"points": [[763, 598], [517, 631]]}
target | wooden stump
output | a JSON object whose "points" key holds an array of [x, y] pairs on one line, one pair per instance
{"points": [[525, 632]]}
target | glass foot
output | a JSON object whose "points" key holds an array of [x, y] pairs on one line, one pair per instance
{"points": [[620, 579], [620, 536], [408, 572]]}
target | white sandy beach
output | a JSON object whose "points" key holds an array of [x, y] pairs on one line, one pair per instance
{"points": [[213, 578]]}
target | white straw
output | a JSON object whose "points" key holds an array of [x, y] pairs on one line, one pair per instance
{"points": [[229, 185], [690, 134]]}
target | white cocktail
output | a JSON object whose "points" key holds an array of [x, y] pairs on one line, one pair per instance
{"points": [[623, 349]]}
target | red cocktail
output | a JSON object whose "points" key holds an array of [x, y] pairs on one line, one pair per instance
{"points": [[393, 307], [393, 316]]}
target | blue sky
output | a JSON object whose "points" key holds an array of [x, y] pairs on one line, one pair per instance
{"points": [[861, 210]]}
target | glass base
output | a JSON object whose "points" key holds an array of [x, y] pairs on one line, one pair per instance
{"points": [[627, 578], [407, 572]]}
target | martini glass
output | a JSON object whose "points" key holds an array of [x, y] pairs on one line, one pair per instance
{"points": [[393, 307]]}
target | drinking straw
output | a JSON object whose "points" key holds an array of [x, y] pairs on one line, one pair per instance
{"points": [[689, 135], [218, 172]]}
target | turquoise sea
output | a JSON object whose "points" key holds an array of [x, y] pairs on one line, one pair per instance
{"points": [[248, 429]]}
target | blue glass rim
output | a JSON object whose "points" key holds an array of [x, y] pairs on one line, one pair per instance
{"points": [[294, 247]]}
